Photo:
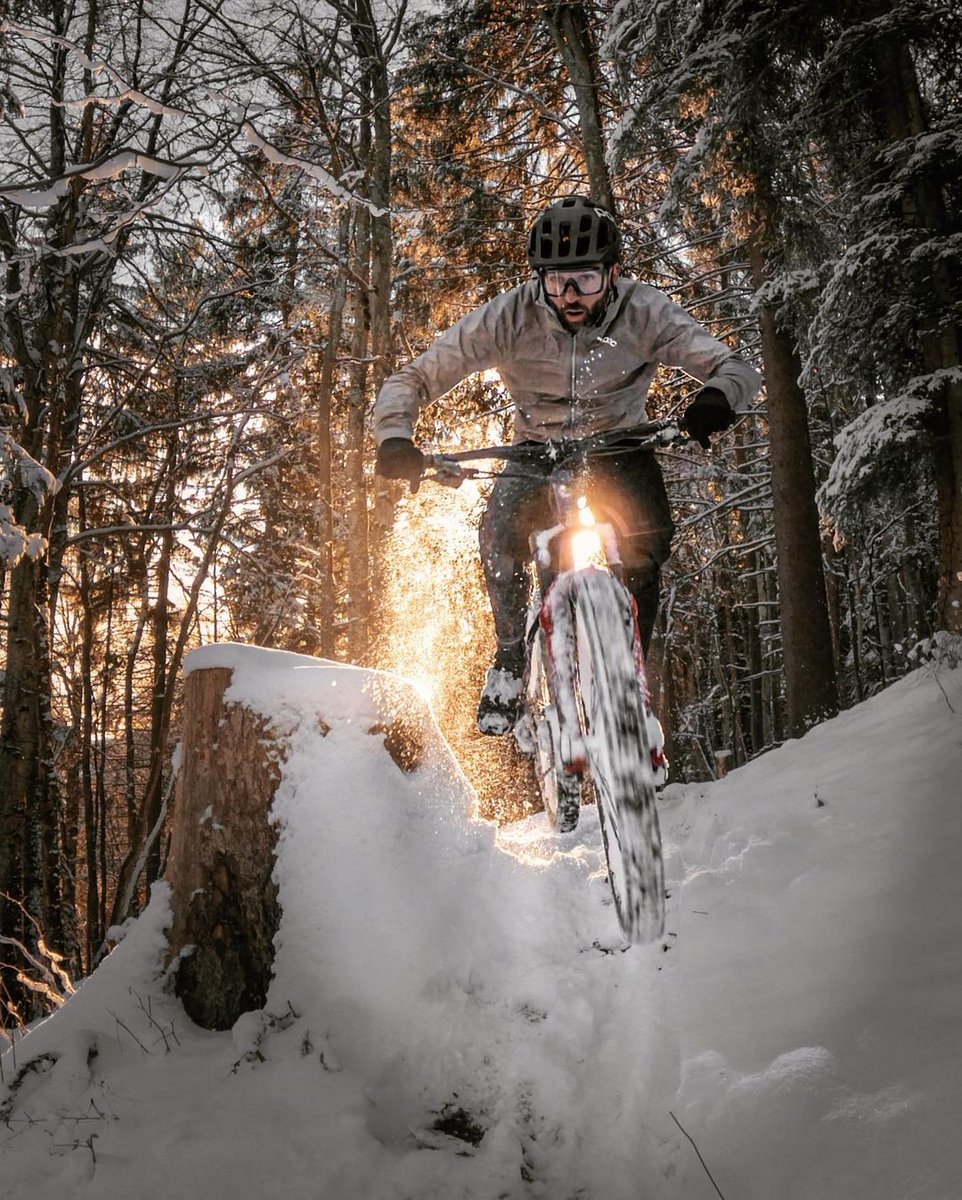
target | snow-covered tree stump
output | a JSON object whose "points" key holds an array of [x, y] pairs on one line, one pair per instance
{"points": [[225, 910]]}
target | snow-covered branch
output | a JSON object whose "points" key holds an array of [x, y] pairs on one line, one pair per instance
{"points": [[126, 94], [45, 194]]}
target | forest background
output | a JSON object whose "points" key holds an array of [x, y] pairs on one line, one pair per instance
{"points": [[224, 223]]}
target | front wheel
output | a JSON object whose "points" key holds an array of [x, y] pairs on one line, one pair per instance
{"points": [[560, 791], [618, 754]]}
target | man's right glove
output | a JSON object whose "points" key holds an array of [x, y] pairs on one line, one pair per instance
{"points": [[708, 413], [399, 458]]}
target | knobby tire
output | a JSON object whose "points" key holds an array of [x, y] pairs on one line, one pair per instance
{"points": [[619, 756]]}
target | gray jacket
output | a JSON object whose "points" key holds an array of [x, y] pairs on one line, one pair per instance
{"points": [[564, 384]]}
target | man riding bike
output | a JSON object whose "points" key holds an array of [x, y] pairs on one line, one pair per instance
{"points": [[577, 347]]}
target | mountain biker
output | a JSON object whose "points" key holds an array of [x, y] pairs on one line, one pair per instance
{"points": [[577, 347]]}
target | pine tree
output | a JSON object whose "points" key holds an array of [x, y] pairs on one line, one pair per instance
{"points": [[889, 315], [717, 78]]}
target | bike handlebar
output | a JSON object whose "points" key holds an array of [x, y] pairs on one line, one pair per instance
{"points": [[447, 468]]}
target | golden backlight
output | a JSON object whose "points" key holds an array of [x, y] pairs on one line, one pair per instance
{"points": [[586, 547]]}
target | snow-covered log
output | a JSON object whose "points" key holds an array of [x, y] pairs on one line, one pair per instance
{"points": [[224, 899], [235, 742]]}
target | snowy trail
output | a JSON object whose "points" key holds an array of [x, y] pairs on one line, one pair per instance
{"points": [[466, 977], [453, 1014]]}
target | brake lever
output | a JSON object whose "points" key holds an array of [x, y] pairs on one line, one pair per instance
{"points": [[446, 471]]}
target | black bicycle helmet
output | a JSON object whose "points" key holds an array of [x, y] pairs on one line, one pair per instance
{"points": [[572, 232]]}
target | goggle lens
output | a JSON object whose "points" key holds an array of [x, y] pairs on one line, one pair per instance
{"points": [[589, 281]]}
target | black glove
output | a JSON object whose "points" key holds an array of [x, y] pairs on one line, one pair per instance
{"points": [[399, 458], [708, 413]]}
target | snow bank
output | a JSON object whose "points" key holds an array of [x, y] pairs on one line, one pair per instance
{"points": [[453, 1013], [818, 969]]}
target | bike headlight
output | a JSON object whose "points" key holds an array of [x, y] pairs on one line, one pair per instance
{"points": [[586, 547]]}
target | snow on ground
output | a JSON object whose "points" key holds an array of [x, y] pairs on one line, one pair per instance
{"points": [[453, 1014]]}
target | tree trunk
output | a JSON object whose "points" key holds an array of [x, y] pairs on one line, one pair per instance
{"points": [[358, 551], [948, 464], [900, 113], [325, 599], [159, 701], [376, 143], [30, 801], [49, 355], [377, 164], [811, 686], [571, 31], [88, 631], [221, 860], [755, 665]]}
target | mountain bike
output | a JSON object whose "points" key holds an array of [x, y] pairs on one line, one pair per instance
{"points": [[587, 721]]}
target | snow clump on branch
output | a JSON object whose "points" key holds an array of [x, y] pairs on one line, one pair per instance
{"points": [[16, 464], [873, 445]]}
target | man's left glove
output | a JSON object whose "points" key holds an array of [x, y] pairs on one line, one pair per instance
{"points": [[399, 458], [708, 413]]}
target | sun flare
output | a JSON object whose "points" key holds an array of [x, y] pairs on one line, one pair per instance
{"points": [[437, 632]]}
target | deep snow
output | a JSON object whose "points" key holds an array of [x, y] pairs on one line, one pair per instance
{"points": [[439, 984]]}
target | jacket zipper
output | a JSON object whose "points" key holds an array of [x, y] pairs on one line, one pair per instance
{"points": [[571, 413]]}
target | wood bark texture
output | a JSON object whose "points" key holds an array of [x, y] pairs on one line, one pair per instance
{"points": [[224, 899]]}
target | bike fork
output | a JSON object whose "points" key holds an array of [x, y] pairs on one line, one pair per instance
{"points": [[557, 624]]}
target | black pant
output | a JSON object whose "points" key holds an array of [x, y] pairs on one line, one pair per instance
{"points": [[625, 487]]}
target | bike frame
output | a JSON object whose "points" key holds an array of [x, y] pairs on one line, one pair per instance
{"points": [[555, 569], [586, 692]]}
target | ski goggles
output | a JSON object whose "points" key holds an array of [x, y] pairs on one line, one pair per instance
{"points": [[586, 281]]}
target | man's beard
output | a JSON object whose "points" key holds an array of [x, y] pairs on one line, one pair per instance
{"points": [[565, 320], [592, 316]]}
